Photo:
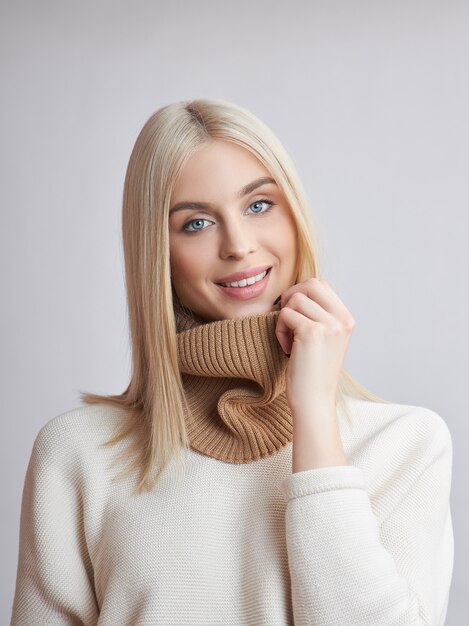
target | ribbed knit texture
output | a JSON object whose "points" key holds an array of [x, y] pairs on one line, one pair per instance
{"points": [[239, 544], [234, 378]]}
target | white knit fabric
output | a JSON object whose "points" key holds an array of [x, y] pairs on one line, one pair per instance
{"points": [[366, 544]]}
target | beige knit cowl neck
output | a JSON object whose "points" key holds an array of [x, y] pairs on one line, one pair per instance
{"points": [[233, 372]]}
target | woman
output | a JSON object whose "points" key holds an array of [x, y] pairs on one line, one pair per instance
{"points": [[259, 483]]}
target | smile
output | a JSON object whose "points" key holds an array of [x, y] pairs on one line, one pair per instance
{"points": [[247, 287], [246, 281]]}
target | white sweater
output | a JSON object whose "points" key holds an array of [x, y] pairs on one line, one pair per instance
{"points": [[366, 544]]}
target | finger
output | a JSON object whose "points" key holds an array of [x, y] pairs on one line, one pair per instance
{"points": [[324, 281], [320, 291], [317, 291], [346, 316], [287, 320], [308, 307], [293, 323]]}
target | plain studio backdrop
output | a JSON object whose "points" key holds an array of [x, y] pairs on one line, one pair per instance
{"points": [[371, 99]]}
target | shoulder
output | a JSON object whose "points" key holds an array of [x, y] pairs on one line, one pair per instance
{"points": [[393, 441], [76, 432], [404, 422]]}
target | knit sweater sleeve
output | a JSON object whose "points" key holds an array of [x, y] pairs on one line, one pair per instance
{"points": [[374, 557], [54, 577]]}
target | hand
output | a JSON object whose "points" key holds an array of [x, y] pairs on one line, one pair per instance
{"points": [[314, 327]]}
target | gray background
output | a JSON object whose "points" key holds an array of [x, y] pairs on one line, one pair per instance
{"points": [[371, 99]]}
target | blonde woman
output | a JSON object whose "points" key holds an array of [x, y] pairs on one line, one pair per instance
{"points": [[244, 476]]}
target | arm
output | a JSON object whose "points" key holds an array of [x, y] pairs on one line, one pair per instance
{"points": [[348, 568], [54, 584]]}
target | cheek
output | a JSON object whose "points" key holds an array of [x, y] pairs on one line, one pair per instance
{"points": [[289, 250], [286, 237], [179, 265], [181, 277], [187, 264]]}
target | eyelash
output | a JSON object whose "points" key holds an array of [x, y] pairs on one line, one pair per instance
{"points": [[184, 228]]}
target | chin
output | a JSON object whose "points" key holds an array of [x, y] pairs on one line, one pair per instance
{"points": [[253, 309]]}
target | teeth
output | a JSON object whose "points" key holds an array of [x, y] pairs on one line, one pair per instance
{"points": [[246, 281]]}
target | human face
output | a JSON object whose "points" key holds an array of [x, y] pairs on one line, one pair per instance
{"points": [[229, 234]]}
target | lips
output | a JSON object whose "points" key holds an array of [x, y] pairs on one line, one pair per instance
{"points": [[249, 291], [237, 276]]}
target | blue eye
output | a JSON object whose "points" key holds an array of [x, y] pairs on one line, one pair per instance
{"points": [[193, 230], [268, 202], [193, 226]]}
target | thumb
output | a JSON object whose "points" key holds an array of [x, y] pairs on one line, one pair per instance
{"points": [[284, 335]]}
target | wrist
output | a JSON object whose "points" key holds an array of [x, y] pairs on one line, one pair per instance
{"points": [[317, 412]]}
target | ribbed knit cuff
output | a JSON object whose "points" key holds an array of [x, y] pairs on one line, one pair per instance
{"points": [[321, 479]]}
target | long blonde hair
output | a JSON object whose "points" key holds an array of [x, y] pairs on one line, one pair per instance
{"points": [[154, 402]]}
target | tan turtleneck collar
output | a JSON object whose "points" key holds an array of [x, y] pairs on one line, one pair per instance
{"points": [[233, 372]]}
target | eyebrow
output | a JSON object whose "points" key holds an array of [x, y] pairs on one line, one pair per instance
{"points": [[244, 191]]}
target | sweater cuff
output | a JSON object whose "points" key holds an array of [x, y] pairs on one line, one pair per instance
{"points": [[321, 479]]}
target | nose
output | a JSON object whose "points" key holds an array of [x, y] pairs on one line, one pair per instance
{"points": [[237, 239]]}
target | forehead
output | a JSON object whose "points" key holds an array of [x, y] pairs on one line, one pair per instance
{"points": [[217, 168]]}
